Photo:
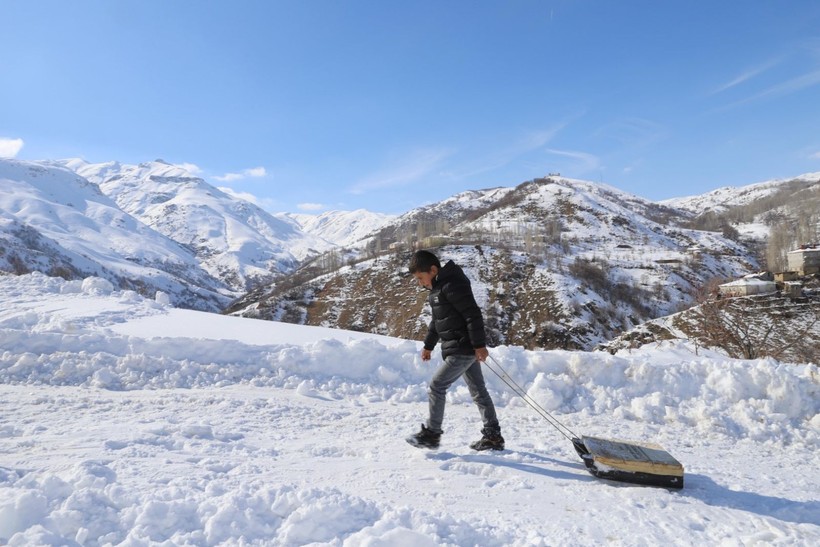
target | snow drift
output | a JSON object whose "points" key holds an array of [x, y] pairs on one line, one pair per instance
{"points": [[128, 422]]}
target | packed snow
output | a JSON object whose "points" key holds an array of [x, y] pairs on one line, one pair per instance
{"points": [[124, 421]]}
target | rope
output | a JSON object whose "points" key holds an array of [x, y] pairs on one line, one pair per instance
{"points": [[518, 390]]}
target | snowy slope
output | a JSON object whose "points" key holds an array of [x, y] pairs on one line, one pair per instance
{"points": [[555, 263], [733, 196], [52, 217], [126, 422], [235, 240], [342, 228]]}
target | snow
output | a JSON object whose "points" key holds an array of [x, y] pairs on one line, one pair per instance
{"points": [[733, 196], [342, 228], [124, 421]]}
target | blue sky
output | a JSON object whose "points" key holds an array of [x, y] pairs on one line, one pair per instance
{"points": [[314, 105]]}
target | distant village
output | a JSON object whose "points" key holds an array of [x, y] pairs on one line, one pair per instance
{"points": [[800, 281]]}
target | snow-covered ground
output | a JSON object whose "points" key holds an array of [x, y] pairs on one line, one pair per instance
{"points": [[124, 421]]}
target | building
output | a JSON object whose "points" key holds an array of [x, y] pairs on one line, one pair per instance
{"points": [[782, 277], [747, 286], [793, 289], [805, 260]]}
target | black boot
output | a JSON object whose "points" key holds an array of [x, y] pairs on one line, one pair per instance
{"points": [[491, 440], [425, 438]]}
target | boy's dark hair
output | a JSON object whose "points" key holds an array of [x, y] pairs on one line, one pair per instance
{"points": [[423, 261]]}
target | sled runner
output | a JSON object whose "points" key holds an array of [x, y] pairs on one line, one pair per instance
{"points": [[625, 461]]}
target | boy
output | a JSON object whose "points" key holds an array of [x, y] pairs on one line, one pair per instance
{"points": [[458, 324]]}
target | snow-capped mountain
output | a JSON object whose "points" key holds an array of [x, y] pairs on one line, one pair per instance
{"points": [[55, 221], [729, 197], [234, 240], [342, 228], [555, 262]]}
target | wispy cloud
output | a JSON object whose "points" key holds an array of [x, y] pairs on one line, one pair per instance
{"points": [[527, 142], [581, 162], [412, 168], [632, 132], [815, 156], [9, 148], [253, 172], [788, 87], [745, 76]]}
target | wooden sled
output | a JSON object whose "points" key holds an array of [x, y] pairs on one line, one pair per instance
{"points": [[627, 461], [624, 461]]}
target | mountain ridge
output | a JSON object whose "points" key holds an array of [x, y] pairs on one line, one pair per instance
{"points": [[558, 262]]}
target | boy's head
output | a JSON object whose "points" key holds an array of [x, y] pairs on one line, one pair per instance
{"points": [[424, 266]]}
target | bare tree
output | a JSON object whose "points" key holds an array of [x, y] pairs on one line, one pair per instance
{"points": [[752, 327]]}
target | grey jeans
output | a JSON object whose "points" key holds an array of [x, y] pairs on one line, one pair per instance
{"points": [[453, 367]]}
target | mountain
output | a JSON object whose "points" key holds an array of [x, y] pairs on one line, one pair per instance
{"points": [[342, 228], [234, 240], [771, 217], [555, 263], [55, 221], [148, 227], [732, 197]]}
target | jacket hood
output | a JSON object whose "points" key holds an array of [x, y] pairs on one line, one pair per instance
{"points": [[450, 271]]}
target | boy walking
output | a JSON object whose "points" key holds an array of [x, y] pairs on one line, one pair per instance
{"points": [[459, 326]]}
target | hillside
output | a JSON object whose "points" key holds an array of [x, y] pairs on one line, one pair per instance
{"points": [[234, 240], [770, 218], [148, 227], [772, 325], [56, 222], [556, 263], [341, 228]]}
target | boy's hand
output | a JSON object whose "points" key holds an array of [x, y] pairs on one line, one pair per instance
{"points": [[481, 354], [426, 354]]}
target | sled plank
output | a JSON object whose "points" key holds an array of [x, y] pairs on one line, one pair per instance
{"points": [[633, 457]]}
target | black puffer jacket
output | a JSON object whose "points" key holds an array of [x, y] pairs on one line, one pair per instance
{"points": [[457, 319]]}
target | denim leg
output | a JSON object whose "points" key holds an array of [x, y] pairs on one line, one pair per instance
{"points": [[475, 382], [449, 371]]}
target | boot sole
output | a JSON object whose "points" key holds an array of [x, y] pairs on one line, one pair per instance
{"points": [[413, 442]]}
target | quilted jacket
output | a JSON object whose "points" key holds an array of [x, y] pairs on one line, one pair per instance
{"points": [[457, 321]]}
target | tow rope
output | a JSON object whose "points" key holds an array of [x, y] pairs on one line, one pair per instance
{"points": [[625, 461], [575, 439]]}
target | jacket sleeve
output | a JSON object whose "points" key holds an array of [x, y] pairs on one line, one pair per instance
{"points": [[431, 339], [460, 295]]}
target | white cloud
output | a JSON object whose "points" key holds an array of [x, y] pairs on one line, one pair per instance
{"points": [[190, 167], [229, 177], [255, 172], [310, 206], [9, 148], [252, 172], [815, 156]]}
